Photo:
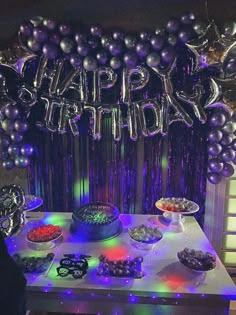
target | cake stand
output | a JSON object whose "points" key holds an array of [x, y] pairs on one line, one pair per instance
{"points": [[176, 223]]}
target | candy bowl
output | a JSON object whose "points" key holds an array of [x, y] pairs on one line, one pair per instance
{"points": [[144, 237], [197, 261], [44, 237]]}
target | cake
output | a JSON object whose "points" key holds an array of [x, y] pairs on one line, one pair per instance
{"points": [[96, 221]]}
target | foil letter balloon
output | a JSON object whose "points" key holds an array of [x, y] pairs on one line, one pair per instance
{"points": [[154, 106], [103, 78]]}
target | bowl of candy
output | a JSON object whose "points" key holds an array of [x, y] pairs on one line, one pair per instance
{"points": [[144, 237], [44, 236], [197, 260]]}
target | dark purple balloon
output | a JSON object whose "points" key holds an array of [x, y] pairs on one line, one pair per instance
{"points": [[115, 63], [233, 118], [4, 155], [118, 35], [27, 150], [187, 18], [26, 29], [214, 135], [96, 30], [106, 40], [8, 126], [230, 67], [228, 170], [142, 49], [21, 126], [8, 164], [130, 41], [83, 49], [145, 35], [157, 42], [215, 165], [214, 178], [102, 57], [228, 128], [75, 61], [80, 37], [49, 24], [185, 34], [16, 137], [93, 42], [130, 59], [4, 141], [226, 140], [54, 38], [217, 120], [115, 47], [40, 34], [90, 63], [50, 51], [214, 149], [13, 150], [65, 29], [234, 161], [33, 44], [12, 112], [228, 155], [22, 161], [173, 25], [233, 144], [168, 54]]}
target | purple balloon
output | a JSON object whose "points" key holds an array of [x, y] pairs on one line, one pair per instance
{"points": [[228, 128], [65, 29], [145, 35], [118, 35], [75, 61], [12, 112], [50, 51], [214, 178], [157, 42], [106, 40], [22, 161], [187, 18], [185, 34], [49, 24], [215, 165], [228, 155], [217, 120], [228, 170], [130, 59], [93, 42], [83, 49], [214, 149], [102, 57], [142, 49], [33, 44], [4, 141], [230, 67], [54, 38], [233, 118], [40, 34], [168, 54], [172, 25], [21, 126], [96, 30], [234, 160], [16, 137], [130, 41], [214, 135], [13, 150], [115, 47], [26, 29], [80, 37], [226, 140], [8, 164], [27, 150], [4, 155], [233, 144]]}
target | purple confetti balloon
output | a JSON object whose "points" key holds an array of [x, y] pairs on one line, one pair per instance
{"points": [[21, 126], [215, 165], [226, 140], [214, 135], [214, 178], [214, 149], [130, 59], [157, 42], [40, 34], [168, 54], [27, 150], [228, 170], [142, 49], [217, 120], [173, 25], [228, 155], [8, 164], [12, 112], [50, 51]]}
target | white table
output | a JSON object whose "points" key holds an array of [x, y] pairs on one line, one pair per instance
{"points": [[166, 288]]}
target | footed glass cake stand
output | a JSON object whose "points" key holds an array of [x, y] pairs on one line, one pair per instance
{"points": [[176, 221]]}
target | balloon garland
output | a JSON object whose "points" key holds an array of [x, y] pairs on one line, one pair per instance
{"points": [[70, 60]]}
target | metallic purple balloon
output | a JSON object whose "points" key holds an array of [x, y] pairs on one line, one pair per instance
{"points": [[83, 49], [50, 51], [233, 144], [187, 18], [50, 24], [215, 165], [16, 137], [214, 178], [214, 149], [90, 63], [157, 42], [4, 155], [118, 35], [230, 67], [54, 38], [27, 150], [106, 40], [217, 120], [233, 118], [40, 34], [33, 45], [21, 126], [80, 37], [93, 42], [228, 128], [185, 34], [228, 170], [168, 54], [142, 49], [130, 41], [145, 35], [226, 140], [173, 25], [214, 135], [130, 59], [96, 30], [22, 161], [12, 112], [102, 57], [26, 29], [8, 164], [228, 155], [75, 61], [65, 29], [4, 141], [115, 47], [234, 161], [115, 63], [13, 150]]}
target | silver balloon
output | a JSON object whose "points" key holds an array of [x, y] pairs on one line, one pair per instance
{"points": [[156, 110], [27, 96], [130, 82], [194, 100], [50, 106], [169, 101], [74, 112], [92, 119], [103, 78], [116, 122]]}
